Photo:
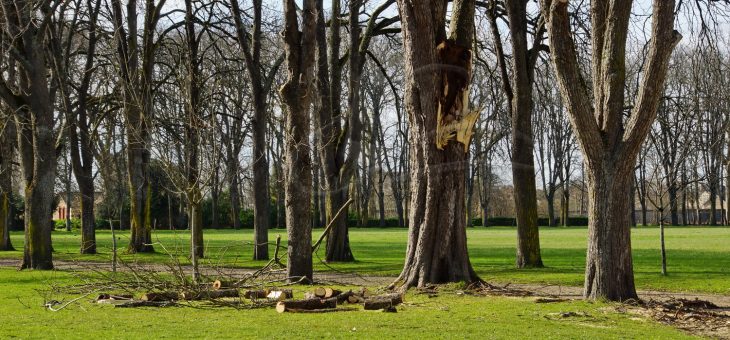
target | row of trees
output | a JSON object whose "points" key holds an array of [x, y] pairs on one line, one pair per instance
{"points": [[122, 88]]}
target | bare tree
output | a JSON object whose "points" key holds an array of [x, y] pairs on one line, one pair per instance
{"points": [[300, 47], [609, 143], [260, 87], [137, 89], [518, 89]]}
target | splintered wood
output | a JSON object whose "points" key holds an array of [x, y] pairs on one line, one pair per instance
{"points": [[454, 119]]}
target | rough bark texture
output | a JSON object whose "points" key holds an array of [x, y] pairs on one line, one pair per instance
{"points": [[436, 249], [609, 143], [296, 94]]}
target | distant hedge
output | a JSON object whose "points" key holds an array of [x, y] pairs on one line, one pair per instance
{"points": [[542, 221]]}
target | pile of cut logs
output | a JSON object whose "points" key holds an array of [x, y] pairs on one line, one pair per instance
{"points": [[320, 300]]}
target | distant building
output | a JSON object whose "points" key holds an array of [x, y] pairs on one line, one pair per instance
{"points": [[62, 208]]}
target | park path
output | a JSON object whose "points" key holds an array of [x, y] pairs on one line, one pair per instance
{"points": [[560, 291]]}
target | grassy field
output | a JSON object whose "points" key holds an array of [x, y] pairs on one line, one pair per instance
{"points": [[698, 257], [450, 315]]}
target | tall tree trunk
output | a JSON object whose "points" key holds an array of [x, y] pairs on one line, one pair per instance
{"points": [[609, 267], [437, 250], [37, 151], [260, 178], [192, 132], [29, 94], [296, 94], [523, 162], [138, 111], [520, 105], [610, 143], [252, 56], [7, 153]]}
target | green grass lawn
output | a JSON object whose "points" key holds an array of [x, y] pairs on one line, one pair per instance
{"points": [[448, 316], [698, 257]]}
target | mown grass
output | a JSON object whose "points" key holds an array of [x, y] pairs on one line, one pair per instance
{"points": [[450, 315], [698, 257]]}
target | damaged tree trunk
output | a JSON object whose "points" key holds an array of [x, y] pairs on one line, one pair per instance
{"points": [[437, 101], [609, 142]]}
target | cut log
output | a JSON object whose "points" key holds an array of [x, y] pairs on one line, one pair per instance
{"points": [[309, 296], [256, 294], [219, 284], [159, 296], [326, 292], [280, 295], [330, 292], [210, 294], [320, 292], [383, 301], [342, 297], [310, 304]]}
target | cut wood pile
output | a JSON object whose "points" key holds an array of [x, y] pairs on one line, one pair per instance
{"points": [[319, 300]]}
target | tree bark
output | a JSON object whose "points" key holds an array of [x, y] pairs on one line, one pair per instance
{"points": [[609, 267], [296, 94], [437, 250]]}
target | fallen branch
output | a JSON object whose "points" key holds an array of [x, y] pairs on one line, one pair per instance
{"points": [[160, 296], [134, 304], [383, 301], [329, 225]]}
